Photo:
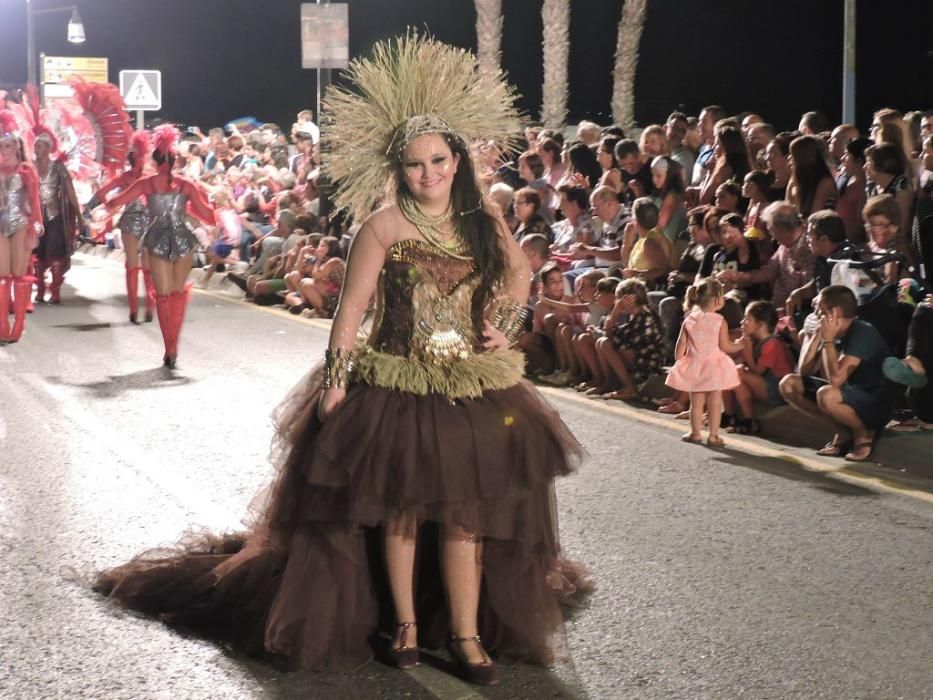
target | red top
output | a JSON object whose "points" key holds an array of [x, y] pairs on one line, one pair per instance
{"points": [[773, 355]]}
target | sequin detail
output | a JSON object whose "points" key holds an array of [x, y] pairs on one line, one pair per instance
{"points": [[169, 236], [50, 192], [135, 220], [13, 215]]}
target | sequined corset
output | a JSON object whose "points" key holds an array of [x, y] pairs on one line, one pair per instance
{"points": [[425, 304], [168, 210], [12, 204], [50, 193]]}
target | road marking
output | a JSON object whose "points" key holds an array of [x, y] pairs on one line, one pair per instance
{"points": [[807, 463]]}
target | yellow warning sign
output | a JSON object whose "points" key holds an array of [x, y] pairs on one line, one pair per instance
{"points": [[59, 69]]}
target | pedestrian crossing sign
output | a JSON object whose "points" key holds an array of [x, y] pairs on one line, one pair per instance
{"points": [[141, 90]]}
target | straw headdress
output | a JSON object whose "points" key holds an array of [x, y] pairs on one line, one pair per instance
{"points": [[411, 85]]}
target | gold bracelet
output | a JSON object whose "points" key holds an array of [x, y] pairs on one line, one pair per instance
{"points": [[338, 366], [509, 318]]}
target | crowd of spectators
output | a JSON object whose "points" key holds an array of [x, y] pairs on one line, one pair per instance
{"points": [[820, 238], [263, 184]]}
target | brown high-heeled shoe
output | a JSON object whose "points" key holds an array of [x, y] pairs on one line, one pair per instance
{"points": [[404, 657], [483, 673]]}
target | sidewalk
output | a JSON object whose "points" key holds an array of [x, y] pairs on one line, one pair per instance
{"points": [[905, 457]]}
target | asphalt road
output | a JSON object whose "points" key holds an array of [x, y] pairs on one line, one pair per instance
{"points": [[720, 574]]}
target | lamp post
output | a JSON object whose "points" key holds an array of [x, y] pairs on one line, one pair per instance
{"points": [[75, 34], [848, 64]]}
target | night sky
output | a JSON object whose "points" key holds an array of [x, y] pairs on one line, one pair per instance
{"points": [[222, 59]]}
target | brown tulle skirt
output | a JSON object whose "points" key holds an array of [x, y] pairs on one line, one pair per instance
{"points": [[308, 580]]}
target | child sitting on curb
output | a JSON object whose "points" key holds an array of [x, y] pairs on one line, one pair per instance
{"points": [[588, 311], [766, 360]]}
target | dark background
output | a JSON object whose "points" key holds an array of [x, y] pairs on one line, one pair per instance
{"points": [[222, 59]]}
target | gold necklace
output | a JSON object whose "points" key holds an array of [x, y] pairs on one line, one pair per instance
{"points": [[429, 227]]}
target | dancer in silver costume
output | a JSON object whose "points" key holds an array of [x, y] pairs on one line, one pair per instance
{"points": [[60, 218], [168, 240], [133, 224], [20, 226]]}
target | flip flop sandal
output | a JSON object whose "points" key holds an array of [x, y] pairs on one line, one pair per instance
{"points": [[900, 372], [832, 449], [715, 442], [673, 408], [855, 456], [692, 439]]}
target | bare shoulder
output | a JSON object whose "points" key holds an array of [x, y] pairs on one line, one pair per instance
{"points": [[386, 225]]}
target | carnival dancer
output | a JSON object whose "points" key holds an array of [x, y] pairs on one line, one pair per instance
{"points": [[61, 215], [133, 224], [417, 462], [20, 227], [169, 241]]}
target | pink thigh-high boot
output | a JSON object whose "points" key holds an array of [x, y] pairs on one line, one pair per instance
{"points": [[22, 291], [132, 291], [5, 283]]}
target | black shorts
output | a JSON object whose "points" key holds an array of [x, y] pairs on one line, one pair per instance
{"points": [[873, 408]]}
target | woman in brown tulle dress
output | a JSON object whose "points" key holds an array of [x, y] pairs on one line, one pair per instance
{"points": [[415, 489]]}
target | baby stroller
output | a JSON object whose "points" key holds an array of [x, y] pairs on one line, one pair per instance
{"points": [[878, 301]]}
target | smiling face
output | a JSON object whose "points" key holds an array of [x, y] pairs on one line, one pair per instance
{"points": [[428, 168], [9, 152]]}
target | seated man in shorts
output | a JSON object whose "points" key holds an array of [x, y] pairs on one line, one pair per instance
{"points": [[852, 393]]}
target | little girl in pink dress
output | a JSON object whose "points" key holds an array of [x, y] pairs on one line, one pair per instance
{"points": [[702, 366]]}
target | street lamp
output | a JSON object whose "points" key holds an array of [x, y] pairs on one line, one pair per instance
{"points": [[75, 34]]}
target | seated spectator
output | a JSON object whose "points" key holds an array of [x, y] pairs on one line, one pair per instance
{"points": [[728, 197], [887, 173], [766, 360], [838, 140], [576, 226], [537, 342], [527, 206], [269, 246], [264, 287], [755, 189], [914, 370], [503, 196], [732, 254], [653, 142], [667, 192], [731, 163], [777, 158], [813, 124], [537, 249], [826, 234], [646, 253], [550, 152], [319, 290], [606, 157], [851, 183], [705, 134], [582, 312], [675, 130], [583, 170], [632, 351], [605, 203], [304, 263], [635, 169], [588, 133], [791, 266], [811, 186], [757, 137], [922, 233], [882, 221], [853, 394]]}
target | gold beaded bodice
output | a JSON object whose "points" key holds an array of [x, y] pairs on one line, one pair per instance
{"points": [[425, 304]]}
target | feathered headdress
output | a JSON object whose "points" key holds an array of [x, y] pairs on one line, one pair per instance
{"points": [[9, 126], [411, 85], [39, 129], [164, 137], [141, 145], [104, 108]]}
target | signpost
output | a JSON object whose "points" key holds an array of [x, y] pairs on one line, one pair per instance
{"points": [[142, 92], [57, 70]]}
